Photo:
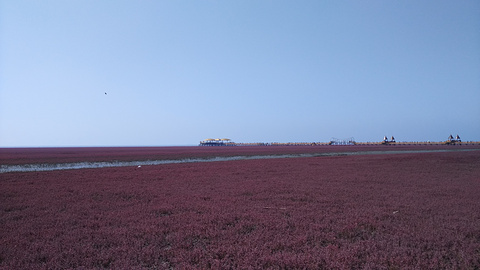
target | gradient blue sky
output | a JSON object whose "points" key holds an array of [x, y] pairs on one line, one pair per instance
{"points": [[177, 72]]}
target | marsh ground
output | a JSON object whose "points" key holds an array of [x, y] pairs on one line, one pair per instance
{"points": [[396, 211]]}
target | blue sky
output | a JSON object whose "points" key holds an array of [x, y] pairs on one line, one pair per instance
{"points": [[177, 72]]}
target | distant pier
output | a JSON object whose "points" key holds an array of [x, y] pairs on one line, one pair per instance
{"points": [[350, 141]]}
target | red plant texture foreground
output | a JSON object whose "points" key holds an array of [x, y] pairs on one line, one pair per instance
{"points": [[399, 211]]}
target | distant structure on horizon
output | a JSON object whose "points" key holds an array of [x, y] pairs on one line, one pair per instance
{"points": [[349, 141], [216, 142], [386, 141], [334, 141], [451, 140]]}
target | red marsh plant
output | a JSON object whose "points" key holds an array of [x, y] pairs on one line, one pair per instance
{"points": [[400, 211], [16, 156]]}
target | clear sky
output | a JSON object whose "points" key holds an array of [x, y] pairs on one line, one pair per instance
{"points": [[177, 72]]}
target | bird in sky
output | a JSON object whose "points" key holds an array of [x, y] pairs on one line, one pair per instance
{"points": [[105, 93]]}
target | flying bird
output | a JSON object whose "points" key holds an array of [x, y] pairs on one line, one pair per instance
{"points": [[105, 93]]}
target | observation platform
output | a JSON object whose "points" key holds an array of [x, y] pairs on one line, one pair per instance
{"points": [[217, 142]]}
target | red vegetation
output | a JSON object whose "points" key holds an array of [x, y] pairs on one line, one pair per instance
{"points": [[370, 211], [17, 156]]}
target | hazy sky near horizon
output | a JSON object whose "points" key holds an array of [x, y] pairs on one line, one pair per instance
{"points": [[177, 72]]}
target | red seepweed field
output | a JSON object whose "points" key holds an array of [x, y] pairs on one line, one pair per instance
{"points": [[382, 211], [11, 156]]}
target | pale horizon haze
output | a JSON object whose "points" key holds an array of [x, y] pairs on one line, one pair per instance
{"points": [[164, 73]]}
